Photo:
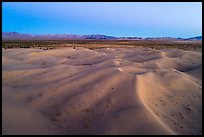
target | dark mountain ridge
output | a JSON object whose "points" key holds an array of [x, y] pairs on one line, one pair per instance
{"points": [[19, 36]]}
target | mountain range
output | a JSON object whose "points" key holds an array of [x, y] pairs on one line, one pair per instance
{"points": [[19, 36]]}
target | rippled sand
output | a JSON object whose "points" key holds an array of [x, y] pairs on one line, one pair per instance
{"points": [[101, 91]]}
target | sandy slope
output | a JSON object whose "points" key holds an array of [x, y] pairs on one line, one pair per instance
{"points": [[102, 91]]}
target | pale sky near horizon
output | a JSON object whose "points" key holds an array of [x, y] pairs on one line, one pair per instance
{"points": [[140, 19]]}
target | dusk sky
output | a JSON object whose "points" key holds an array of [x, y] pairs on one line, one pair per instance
{"points": [[139, 19]]}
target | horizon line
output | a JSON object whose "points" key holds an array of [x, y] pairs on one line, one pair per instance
{"points": [[98, 34]]}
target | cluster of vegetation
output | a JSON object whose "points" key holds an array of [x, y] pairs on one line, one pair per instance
{"points": [[95, 44], [28, 43]]}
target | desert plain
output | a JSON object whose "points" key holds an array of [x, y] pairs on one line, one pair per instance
{"points": [[112, 91]]}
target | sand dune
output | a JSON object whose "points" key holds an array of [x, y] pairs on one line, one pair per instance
{"points": [[101, 91]]}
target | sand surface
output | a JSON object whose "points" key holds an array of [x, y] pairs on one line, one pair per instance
{"points": [[101, 91]]}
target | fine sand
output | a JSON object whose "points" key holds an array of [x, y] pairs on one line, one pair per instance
{"points": [[101, 91]]}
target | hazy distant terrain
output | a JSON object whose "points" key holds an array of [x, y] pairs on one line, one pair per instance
{"points": [[19, 36]]}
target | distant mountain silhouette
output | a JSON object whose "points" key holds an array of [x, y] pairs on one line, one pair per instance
{"points": [[19, 36], [195, 38], [98, 37]]}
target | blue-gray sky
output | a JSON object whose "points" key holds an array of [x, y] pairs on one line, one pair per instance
{"points": [[142, 19]]}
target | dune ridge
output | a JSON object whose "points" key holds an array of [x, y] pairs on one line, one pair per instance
{"points": [[101, 91]]}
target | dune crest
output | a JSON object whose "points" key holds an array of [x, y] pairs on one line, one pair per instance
{"points": [[101, 91]]}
